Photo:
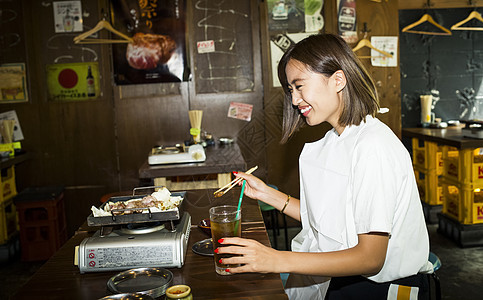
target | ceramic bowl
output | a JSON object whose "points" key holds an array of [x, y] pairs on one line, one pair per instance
{"points": [[205, 226]]}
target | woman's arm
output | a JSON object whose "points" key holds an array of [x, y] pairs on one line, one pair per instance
{"points": [[366, 258]]}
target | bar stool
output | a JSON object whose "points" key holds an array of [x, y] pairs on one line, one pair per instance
{"points": [[274, 220], [434, 259]]}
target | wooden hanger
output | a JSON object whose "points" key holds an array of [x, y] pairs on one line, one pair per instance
{"points": [[473, 15], [103, 24], [366, 43], [426, 18]]}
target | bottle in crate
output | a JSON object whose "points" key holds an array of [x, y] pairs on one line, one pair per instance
{"points": [[464, 166], [463, 202]]}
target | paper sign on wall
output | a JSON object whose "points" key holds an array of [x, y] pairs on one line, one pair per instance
{"points": [[67, 16], [241, 111], [17, 131], [387, 44], [206, 46]]}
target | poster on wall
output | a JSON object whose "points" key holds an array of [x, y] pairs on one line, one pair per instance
{"points": [[387, 44], [67, 16], [74, 81], [13, 86], [346, 20], [240, 111], [286, 15], [278, 45], [314, 21], [158, 51]]}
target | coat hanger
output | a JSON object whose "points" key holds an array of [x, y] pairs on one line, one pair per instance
{"points": [[426, 18], [366, 43], [103, 24], [473, 15]]}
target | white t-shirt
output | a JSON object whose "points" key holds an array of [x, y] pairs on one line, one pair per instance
{"points": [[362, 181]]}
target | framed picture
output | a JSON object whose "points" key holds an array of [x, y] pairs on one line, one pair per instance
{"points": [[13, 83]]}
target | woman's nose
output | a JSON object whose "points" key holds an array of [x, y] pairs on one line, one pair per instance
{"points": [[296, 99]]}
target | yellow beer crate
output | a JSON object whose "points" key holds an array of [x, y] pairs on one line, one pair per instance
{"points": [[429, 187], [462, 202], [8, 220], [429, 156], [7, 184], [465, 168]]}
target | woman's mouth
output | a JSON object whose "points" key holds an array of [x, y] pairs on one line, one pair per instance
{"points": [[305, 110]]}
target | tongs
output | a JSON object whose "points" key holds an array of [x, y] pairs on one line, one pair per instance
{"points": [[223, 190]]}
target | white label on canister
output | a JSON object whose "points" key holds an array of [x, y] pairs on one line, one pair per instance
{"points": [[129, 256]]}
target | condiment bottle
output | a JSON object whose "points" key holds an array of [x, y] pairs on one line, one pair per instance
{"points": [[180, 291]]}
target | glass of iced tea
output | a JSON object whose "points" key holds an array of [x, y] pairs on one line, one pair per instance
{"points": [[225, 222]]}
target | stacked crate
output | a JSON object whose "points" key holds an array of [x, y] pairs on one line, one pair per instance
{"points": [[428, 167], [463, 186], [462, 216], [42, 222], [8, 215]]}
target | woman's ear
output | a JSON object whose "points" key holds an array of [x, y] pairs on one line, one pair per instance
{"points": [[340, 80]]}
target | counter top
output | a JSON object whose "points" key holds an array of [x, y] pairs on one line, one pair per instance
{"points": [[58, 278], [6, 162], [219, 159], [450, 136]]}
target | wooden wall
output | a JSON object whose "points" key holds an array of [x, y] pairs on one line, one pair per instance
{"points": [[95, 147]]}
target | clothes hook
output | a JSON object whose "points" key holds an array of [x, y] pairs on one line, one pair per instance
{"points": [[364, 29]]}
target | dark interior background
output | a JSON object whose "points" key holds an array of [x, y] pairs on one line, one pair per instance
{"points": [[448, 66]]}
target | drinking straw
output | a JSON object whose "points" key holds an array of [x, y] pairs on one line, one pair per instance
{"points": [[239, 205], [241, 197]]}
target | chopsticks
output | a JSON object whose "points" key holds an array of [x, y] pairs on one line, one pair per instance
{"points": [[221, 191]]}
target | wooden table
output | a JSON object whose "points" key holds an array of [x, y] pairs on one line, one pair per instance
{"points": [[220, 161], [454, 137], [58, 278]]}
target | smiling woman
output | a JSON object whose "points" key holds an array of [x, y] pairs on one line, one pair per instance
{"points": [[354, 85], [357, 188]]}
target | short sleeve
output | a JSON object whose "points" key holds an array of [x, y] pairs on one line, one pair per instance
{"points": [[374, 184]]}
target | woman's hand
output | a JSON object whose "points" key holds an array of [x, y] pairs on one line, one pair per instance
{"points": [[252, 255], [255, 188]]}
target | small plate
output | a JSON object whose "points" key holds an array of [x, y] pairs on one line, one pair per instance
{"points": [[128, 297], [149, 281], [204, 247]]}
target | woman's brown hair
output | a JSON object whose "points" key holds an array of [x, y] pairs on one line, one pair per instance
{"points": [[325, 54]]}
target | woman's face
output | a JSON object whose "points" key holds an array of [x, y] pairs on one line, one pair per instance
{"points": [[316, 96]]}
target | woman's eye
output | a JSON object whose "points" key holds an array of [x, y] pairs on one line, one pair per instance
{"points": [[297, 87]]}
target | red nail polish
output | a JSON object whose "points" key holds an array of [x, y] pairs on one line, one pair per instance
{"points": [[235, 172], [216, 250], [220, 241], [227, 270], [220, 261]]}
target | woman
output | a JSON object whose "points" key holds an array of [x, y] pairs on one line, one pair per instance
{"points": [[363, 228]]}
